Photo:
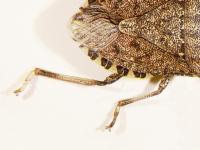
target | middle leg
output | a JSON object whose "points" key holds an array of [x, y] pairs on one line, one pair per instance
{"points": [[163, 84]]}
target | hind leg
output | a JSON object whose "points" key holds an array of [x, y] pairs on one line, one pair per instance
{"points": [[84, 81], [163, 84]]}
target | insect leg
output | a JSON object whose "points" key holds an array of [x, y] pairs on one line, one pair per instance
{"points": [[162, 85], [84, 81]]}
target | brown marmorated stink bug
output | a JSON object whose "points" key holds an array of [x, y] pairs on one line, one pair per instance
{"points": [[157, 37]]}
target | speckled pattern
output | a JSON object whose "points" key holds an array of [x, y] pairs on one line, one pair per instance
{"points": [[148, 36], [125, 9], [162, 27], [139, 55], [192, 34]]}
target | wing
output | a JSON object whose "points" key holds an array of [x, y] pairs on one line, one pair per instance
{"points": [[92, 28]]}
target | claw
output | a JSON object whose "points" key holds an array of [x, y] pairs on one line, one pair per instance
{"points": [[26, 82], [16, 92], [108, 128]]}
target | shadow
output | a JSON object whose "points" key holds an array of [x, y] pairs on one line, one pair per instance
{"points": [[52, 27]]}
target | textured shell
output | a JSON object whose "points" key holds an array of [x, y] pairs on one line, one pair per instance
{"points": [[124, 9], [148, 36], [192, 34], [173, 26]]}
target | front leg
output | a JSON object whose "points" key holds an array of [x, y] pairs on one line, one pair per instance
{"points": [[162, 85], [84, 81]]}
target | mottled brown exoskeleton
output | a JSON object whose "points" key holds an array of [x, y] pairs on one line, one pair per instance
{"points": [[157, 37]]}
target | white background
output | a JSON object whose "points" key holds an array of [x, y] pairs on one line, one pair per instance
{"points": [[55, 115]]}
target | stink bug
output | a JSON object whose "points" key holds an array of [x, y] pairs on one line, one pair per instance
{"points": [[157, 37]]}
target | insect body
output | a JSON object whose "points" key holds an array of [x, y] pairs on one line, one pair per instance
{"points": [[157, 37]]}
